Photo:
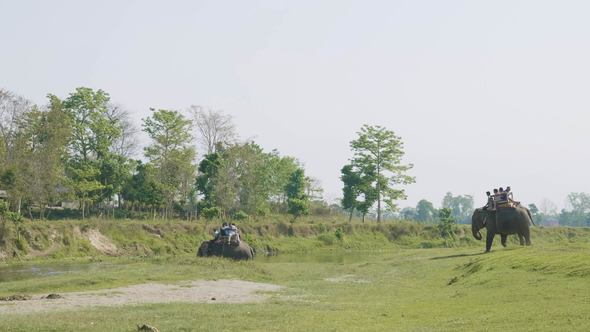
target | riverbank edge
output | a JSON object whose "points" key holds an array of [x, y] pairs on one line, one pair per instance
{"points": [[42, 240]]}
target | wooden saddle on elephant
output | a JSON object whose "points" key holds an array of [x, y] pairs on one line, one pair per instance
{"points": [[228, 240], [505, 205]]}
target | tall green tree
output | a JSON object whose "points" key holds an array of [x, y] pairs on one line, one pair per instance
{"points": [[279, 172], [205, 183], [409, 213], [380, 149], [358, 192], [461, 206], [92, 165], [579, 212], [43, 139], [350, 190], [297, 200], [425, 211], [243, 180], [93, 131], [172, 155], [13, 110], [143, 191]]}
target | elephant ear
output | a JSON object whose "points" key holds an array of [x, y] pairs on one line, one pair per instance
{"points": [[485, 220]]}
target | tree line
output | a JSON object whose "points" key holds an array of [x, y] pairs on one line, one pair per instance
{"points": [[78, 152], [577, 213], [80, 149]]}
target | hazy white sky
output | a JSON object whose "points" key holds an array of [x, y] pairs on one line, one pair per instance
{"points": [[483, 93]]}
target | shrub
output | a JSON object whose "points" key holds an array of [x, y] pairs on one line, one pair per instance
{"points": [[339, 234], [446, 223], [326, 239]]}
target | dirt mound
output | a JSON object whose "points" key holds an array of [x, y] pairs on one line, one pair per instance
{"points": [[53, 297], [101, 242], [218, 291], [147, 328]]}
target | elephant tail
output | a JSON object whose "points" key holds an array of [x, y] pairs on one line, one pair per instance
{"points": [[530, 216]]}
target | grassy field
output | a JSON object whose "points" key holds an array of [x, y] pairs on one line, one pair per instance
{"points": [[329, 288]]}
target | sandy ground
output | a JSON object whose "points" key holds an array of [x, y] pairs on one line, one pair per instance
{"points": [[347, 278], [218, 291], [101, 242]]}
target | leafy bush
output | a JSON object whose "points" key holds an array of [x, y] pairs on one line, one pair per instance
{"points": [[446, 223], [6, 214], [327, 239], [339, 234]]}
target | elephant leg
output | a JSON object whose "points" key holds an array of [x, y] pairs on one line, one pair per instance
{"points": [[489, 240], [203, 249], [527, 237], [521, 239], [503, 237]]}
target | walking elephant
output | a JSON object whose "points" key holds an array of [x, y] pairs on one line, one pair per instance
{"points": [[504, 221], [241, 251]]}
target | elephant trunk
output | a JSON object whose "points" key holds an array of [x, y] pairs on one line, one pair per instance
{"points": [[475, 229], [477, 234], [476, 224]]}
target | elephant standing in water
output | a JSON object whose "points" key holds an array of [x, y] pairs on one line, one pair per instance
{"points": [[222, 248], [504, 221]]}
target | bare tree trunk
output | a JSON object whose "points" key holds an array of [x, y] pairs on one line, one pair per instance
{"points": [[378, 182]]}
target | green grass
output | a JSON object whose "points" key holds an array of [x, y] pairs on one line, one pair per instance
{"points": [[393, 276], [544, 287]]}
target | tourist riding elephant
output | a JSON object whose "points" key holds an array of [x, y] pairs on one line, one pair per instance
{"points": [[224, 249], [504, 221]]}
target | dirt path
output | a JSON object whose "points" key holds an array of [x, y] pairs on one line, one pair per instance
{"points": [[218, 291]]}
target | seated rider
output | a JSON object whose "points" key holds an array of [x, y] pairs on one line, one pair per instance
{"points": [[503, 196], [234, 232], [222, 231], [509, 193], [490, 201], [511, 196], [494, 199]]}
